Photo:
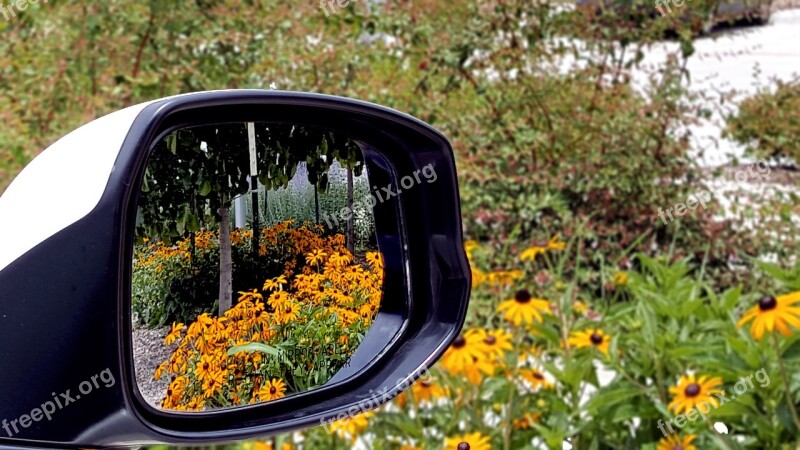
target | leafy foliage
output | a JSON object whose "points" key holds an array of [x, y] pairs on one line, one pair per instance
{"points": [[767, 123]]}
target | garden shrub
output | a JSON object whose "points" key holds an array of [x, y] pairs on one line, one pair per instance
{"points": [[292, 336], [768, 123], [542, 361], [178, 282]]}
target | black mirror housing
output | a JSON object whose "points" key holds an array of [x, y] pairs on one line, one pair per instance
{"points": [[65, 286]]}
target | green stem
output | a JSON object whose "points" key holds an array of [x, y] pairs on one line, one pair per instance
{"points": [[785, 378]]}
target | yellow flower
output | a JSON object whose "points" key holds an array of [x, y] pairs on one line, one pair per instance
{"points": [[524, 422], [275, 283], [473, 441], [279, 300], [675, 442], [174, 334], [536, 378], [351, 427], [478, 277], [580, 307], [272, 390], [315, 257], [692, 391], [773, 313], [160, 370], [530, 253], [375, 259], [524, 309], [427, 390], [463, 352], [590, 338], [341, 259], [620, 279], [287, 313], [497, 342], [204, 367], [213, 384]]}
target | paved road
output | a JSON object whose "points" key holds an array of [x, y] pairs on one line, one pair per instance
{"points": [[728, 60]]}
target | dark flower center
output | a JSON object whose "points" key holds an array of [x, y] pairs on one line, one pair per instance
{"points": [[205, 366], [767, 303], [288, 310], [169, 392], [523, 296], [459, 342], [490, 340], [538, 376], [596, 338], [272, 390], [463, 446], [692, 390]]}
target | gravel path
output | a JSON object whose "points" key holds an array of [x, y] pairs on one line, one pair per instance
{"points": [[148, 352]]}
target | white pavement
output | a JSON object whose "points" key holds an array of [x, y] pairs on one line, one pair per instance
{"points": [[736, 59]]}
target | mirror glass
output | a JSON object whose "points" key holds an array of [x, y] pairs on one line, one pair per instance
{"points": [[256, 269]]}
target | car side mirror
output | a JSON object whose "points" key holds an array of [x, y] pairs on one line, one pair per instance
{"points": [[82, 229]]}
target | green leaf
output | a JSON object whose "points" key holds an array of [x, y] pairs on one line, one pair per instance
{"points": [[254, 347]]}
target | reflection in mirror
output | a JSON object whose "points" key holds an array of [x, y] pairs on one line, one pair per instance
{"points": [[256, 270]]}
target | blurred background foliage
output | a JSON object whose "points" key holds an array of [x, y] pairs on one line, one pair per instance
{"points": [[551, 134]]}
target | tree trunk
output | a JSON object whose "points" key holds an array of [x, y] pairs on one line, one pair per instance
{"points": [[351, 232], [225, 260], [316, 202]]}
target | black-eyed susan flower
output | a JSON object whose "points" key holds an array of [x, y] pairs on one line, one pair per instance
{"points": [[212, 385], [535, 378], [691, 392], [352, 427], [287, 313], [375, 259], [272, 390], [278, 300], [316, 257], [524, 309], [530, 253], [478, 277], [675, 442], [428, 390], [204, 367], [160, 369], [479, 369], [527, 420], [497, 342], [174, 334], [773, 313], [595, 338], [468, 441], [463, 352], [275, 283]]}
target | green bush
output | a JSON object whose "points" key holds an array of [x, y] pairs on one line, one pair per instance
{"points": [[176, 283], [768, 123]]}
